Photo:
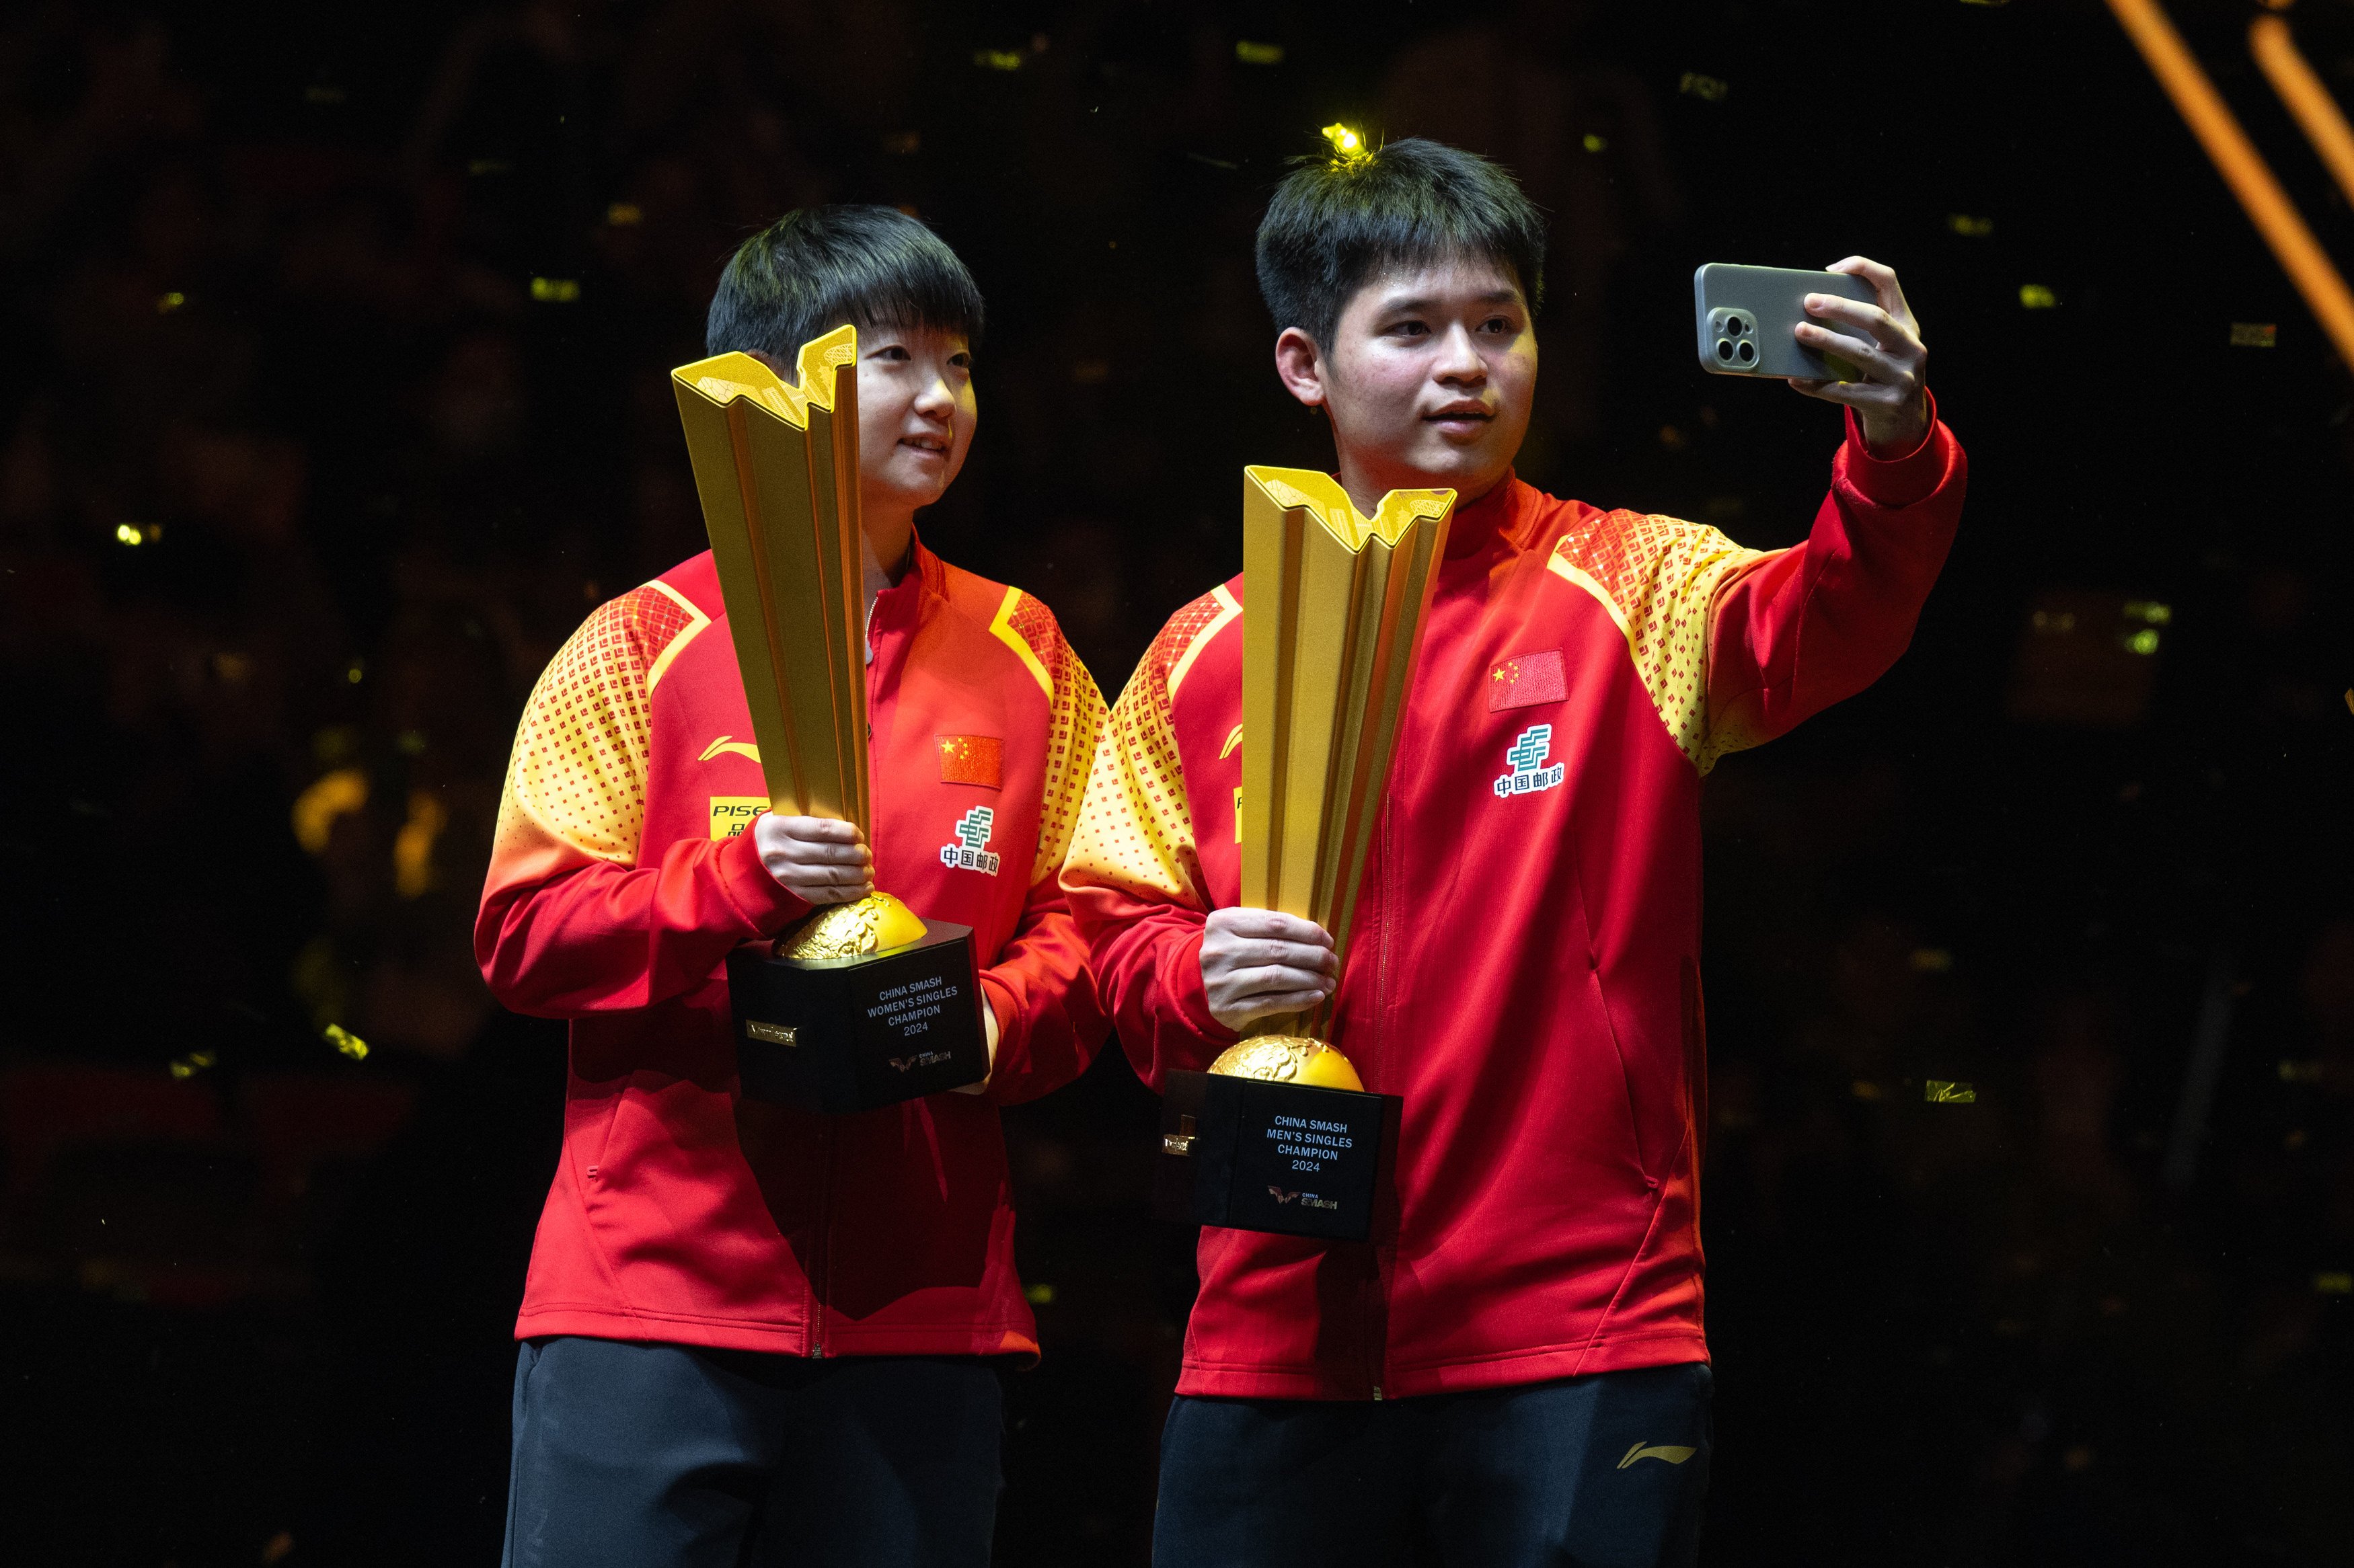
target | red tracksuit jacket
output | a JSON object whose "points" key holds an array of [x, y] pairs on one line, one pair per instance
{"points": [[622, 877], [1525, 968]]}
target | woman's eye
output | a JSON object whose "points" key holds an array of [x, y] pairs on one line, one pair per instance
{"points": [[893, 352]]}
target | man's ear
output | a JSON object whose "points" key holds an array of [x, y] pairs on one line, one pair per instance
{"points": [[1301, 366], [784, 372]]}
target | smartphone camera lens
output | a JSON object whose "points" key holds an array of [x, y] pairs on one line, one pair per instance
{"points": [[1748, 352], [1724, 349], [1737, 325]]}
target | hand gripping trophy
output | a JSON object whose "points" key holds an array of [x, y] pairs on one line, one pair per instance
{"points": [[862, 1004], [1279, 1135]]}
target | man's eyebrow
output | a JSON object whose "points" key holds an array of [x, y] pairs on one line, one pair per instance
{"points": [[1419, 304]]}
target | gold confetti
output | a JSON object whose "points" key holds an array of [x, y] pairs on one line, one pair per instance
{"points": [[1593, 144], [1038, 1294], [343, 1040], [2037, 297], [1672, 438], [1707, 89], [1930, 961], [2144, 642], [1865, 1089], [556, 291], [412, 846], [2150, 611], [2255, 335], [903, 143], [169, 300], [129, 534], [481, 166], [997, 59], [1257, 54], [1943, 1092], [232, 669], [1969, 227], [1348, 146], [277, 1547], [356, 671], [2334, 1282], [624, 214], [2300, 1072], [195, 1062]]}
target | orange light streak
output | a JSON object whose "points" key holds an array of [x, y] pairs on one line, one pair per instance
{"points": [[2242, 168], [2317, 112]]}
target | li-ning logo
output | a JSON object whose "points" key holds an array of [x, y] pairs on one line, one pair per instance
{"points": [[1529, 772], [967, 852], [1673, 1453], [1305, 1200], [905, 1063]]}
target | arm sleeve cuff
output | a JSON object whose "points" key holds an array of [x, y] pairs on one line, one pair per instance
{"points": [[1899, 481], [763, 902], [1184, 982]]}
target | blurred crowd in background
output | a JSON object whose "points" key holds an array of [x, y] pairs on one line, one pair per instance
{"points": [[335, 350]]}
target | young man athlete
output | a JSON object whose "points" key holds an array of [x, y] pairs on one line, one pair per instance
{"points": [[753, 1334], [1521, 1375]]}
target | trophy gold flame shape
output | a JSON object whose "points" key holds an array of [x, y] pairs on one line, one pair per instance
{"points": [[1333, 606], [776, 468]]}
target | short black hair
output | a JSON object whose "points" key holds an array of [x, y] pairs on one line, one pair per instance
{"points": [[818, 268], [1334, 222]]}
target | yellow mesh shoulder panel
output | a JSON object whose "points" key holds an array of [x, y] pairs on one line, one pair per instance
{"points": [[1657, 578], [578, 774], [1136, 828], [1075, 718]]}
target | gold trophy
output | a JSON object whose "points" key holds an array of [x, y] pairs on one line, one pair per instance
{"points": [[861, 1003], [1279, 1134]]}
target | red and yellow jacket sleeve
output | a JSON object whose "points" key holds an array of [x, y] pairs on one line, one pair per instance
{"points": [[570, 923], [1049, 1024], [1792, 632], [1737, 646], [1134, 876]]}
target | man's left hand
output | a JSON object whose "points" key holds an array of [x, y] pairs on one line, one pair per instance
{"points": [[1883, 341]]}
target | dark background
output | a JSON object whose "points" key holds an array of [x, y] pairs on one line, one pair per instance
{"points": [[333, 358]]}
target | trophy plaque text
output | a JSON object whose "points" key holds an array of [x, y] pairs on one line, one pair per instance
{"points": [[861, 1004], [1279, 1135]]}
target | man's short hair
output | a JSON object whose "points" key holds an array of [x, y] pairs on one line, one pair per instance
{"points": [[1336, 222], [820, 268]]}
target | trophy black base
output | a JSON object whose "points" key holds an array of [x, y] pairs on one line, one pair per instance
{"points": [[848, 1035], [1254, 1155]]}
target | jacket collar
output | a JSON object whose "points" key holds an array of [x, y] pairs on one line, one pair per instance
{"points": [[1500, 516]]}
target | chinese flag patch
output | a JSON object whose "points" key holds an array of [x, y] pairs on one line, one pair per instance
{"points": [[972, 759], [1527, 680]]}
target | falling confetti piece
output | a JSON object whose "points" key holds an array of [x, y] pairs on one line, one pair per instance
{"points": [[1707, 89], [2144, 642], [625, 215], [343, 1040], [2149, 610], [128, 535], [169, 300], [903, 143], [481, 166], [997, 59], [1941, 1092], [2255, 335], [1970, 227], [2293, 1072], [1257, 54], [356, 671], [1865, 1089], [556, 291], [277, 1547], [1348, 146], [1593, 144], [2037, 297], [195, 1062], [2334, 1282], [1932, 961], [1038, 1294]]}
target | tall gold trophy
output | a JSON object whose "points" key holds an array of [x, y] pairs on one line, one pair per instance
{"points": [[1279, 1135], [862, 1004]]}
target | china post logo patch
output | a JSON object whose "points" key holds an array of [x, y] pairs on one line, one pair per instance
{"points": [[1527, 756], [970, 852]]}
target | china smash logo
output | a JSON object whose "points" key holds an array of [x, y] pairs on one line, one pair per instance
{"points": [[1526, 757], [971, 852], [1305, 1200]]}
